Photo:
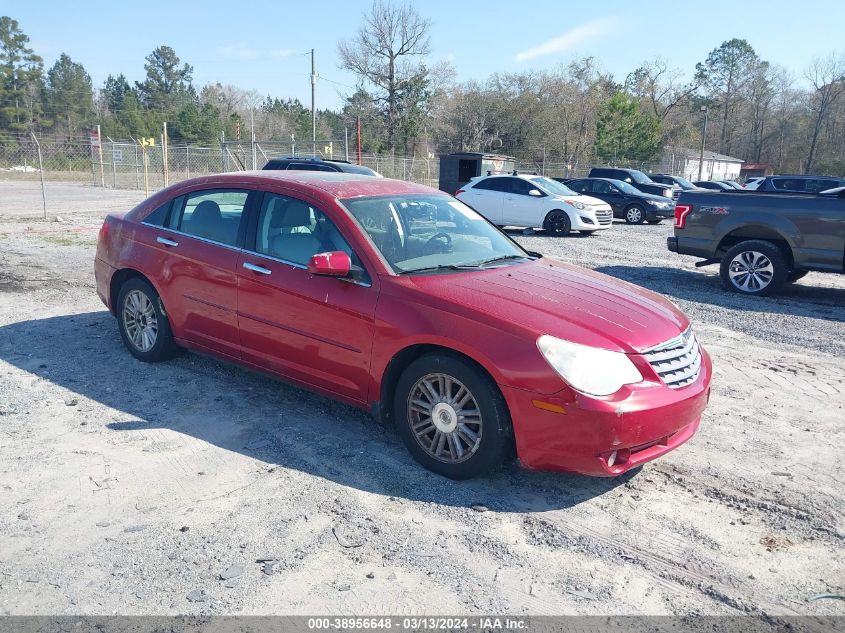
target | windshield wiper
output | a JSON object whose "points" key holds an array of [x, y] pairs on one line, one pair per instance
{"points": [[502, 258], [426, 269]]}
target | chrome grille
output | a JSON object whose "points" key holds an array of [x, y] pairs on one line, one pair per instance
{"points": [[605, 216], [678, 361]]}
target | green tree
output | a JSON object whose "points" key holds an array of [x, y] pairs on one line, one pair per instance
{"points": [[115, 91], [69, 94], [725, 76], [197, 123], [168, 84], [21, 78], [624, 132]]}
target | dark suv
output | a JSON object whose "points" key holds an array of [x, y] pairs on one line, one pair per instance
{"points": [[799, 184], [319, 164], [633, 177]]}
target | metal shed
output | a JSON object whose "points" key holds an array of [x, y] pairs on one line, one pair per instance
{"points": [[459, 168]]}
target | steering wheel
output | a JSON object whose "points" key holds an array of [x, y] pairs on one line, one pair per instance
{"points": [[446, 246]]}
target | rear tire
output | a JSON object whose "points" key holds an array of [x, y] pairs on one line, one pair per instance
{"points": [[441, 395], [143, 324], [557, 223], [754, 267]]}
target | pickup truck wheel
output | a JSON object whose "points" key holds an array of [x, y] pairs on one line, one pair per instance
{"points": [[795, 275], [635, 214], [754, 267], [557, 223]]}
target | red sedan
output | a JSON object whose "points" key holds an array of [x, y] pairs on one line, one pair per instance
{"points": [[402, 300]]}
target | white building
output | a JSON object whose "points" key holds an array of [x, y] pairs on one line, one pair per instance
{"points": [[683, 161]]}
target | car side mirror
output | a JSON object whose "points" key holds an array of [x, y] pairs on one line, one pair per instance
{"points": [[330, 264], [536, 193]]}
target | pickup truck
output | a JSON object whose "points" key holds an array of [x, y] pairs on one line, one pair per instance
{"points": [[762, 240]]}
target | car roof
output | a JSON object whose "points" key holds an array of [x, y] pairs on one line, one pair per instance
{"points": [[508, 175], [335, 183]]}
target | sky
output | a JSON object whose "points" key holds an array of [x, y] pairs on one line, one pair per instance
{"points": [[264, 45]]}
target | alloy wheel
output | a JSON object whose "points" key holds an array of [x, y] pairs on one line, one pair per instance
{"points": [[634, 215], [751, 271], [140, 320], [445, 418]]}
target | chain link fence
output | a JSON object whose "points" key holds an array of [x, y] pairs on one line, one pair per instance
{"points": [[126, 164]]}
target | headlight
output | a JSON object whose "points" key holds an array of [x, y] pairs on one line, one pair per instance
{"points": [[594, 371], [659, 204], [578, 205]]}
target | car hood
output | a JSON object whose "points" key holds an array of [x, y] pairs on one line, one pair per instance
{"points": [[588, 200], [655, 197], [546, 296]]}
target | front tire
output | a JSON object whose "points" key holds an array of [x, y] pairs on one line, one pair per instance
{"points": [[557, 223], [452, 417], [143, 323], [754, 267], [634, 214]]}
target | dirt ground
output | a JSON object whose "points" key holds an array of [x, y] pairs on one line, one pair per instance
{"points": [[156, 489]]}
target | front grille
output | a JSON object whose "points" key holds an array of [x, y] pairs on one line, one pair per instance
{"points": [[677, 362], [605, 216]]}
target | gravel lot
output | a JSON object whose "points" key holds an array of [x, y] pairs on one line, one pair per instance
{"points": [[199, 487]]}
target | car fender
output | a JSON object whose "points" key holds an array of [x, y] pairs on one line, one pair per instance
{"points": [[776, 224]]}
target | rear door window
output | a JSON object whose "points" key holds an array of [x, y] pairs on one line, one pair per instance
{"points": [[579, 185], [211, 214], [492, 184]]}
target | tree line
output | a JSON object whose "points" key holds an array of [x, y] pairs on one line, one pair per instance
{"points": [[576, 114]]}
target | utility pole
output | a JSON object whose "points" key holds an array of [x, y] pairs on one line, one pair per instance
{"points": [[703, 138], [313, 108], [358, 134], [252, 134]]}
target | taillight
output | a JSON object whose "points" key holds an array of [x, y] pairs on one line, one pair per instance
{"points": [[459, 192], [104, 232], [681, 213]]}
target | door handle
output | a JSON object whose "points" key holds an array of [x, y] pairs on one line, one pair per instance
{"points": [[166, 242], [257, 269]]}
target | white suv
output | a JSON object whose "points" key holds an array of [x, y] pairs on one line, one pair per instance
{"points": [[536, 202]]}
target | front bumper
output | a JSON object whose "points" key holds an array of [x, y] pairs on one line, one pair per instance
{"points": [[663, 214], [606, 436], [588, 223]]}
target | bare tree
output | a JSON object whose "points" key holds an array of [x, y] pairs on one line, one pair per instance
{"points": [[386, 52], [827, 75]]}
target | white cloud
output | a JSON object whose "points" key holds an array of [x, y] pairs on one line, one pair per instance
{"points": [[282, 52], [591, 30], [238, 51]]}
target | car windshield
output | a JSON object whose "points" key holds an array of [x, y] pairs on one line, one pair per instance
{"points": [[639, 177], [625, 187], [553, 187], [360, 169], [685, 184], [425, 233]]}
